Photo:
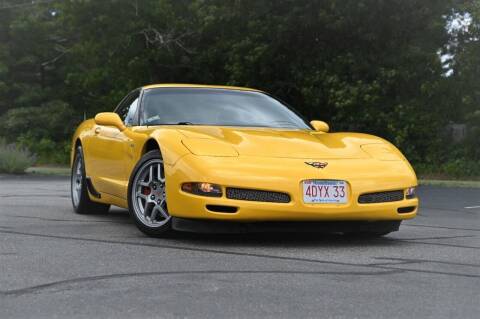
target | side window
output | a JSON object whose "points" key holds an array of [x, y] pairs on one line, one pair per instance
{"points": [[128, 108], [132, 110]]}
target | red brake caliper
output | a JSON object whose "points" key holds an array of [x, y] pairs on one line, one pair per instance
{"points": [[146, 190]]}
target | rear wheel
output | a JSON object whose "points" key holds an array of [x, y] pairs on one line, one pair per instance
{"points": [[147, 200], [82, 204]]}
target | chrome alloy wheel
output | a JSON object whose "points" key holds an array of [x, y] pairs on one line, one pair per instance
{"points": [[77, 181], [148, 194]]}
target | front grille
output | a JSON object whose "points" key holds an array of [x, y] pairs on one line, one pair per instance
{"points": [[257, 195], [381, 197]]}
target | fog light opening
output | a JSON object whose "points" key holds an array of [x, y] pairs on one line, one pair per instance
{"points": [[406, 210], [222, 209]]}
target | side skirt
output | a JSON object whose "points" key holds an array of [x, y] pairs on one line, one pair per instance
{"points": [[104, 197]]}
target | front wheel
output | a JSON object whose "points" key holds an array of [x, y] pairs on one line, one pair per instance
{"points": [[147, 200]]}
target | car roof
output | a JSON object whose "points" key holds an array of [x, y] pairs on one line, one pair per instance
{"points": [[180, 85]]}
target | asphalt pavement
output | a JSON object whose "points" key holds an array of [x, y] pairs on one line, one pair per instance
{"points": [[55, 264]]}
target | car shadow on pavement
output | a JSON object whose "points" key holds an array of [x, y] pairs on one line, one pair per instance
{"points": [[280, 239], [268, 239]]}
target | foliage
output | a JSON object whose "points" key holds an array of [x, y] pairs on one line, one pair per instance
{"points": [[45, 130], [14, 159], [458, 168], [364, 65]]}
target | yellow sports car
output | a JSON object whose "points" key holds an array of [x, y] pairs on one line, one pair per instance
{"points": [[231, 159]]}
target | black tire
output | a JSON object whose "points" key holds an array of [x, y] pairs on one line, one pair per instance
{"points": [[82, 204], [158, 231]]}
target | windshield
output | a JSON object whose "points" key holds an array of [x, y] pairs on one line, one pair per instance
{"points": [[219, 107]]}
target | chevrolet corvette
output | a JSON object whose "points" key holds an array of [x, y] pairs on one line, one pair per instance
{"points": [[230, 159]]}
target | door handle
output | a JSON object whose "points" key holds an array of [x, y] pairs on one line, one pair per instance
{"points": [[97, 130]]}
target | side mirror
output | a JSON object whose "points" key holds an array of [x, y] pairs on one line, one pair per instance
{"points": [[110, 119], [320, 126]]}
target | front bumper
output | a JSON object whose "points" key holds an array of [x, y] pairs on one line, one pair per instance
{"points": [[286, 175]]}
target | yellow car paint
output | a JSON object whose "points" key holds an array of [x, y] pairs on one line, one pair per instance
{"points": [[248, 157]]}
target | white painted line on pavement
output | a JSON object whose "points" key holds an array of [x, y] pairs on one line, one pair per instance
{"points": [[471, 207]]}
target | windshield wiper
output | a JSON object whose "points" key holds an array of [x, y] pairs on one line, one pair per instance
{"points": [[160, 123]]}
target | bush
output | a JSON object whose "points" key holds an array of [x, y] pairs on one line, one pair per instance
{"points": [[14, 159], [44, 130], [47, 151], [460, 168]]}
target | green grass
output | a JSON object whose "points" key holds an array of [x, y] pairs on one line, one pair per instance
{"points": [[49, 170], [449, 183]]}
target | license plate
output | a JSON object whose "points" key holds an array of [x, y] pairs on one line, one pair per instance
{"points": [[317, 191]]}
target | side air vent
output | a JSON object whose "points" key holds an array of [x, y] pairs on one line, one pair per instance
{"points": [[381, 197], [257, 195]]}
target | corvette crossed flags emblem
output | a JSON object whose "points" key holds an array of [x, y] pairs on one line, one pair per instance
{"points": [[317, 164]]}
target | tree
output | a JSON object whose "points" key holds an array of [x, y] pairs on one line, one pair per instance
{"points": [[368, 65]]}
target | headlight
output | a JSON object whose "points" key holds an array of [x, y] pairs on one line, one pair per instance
{"points": [[203, 189], [410, 193]]}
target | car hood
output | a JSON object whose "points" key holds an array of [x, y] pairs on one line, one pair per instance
{"points": [[268, 142]]}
